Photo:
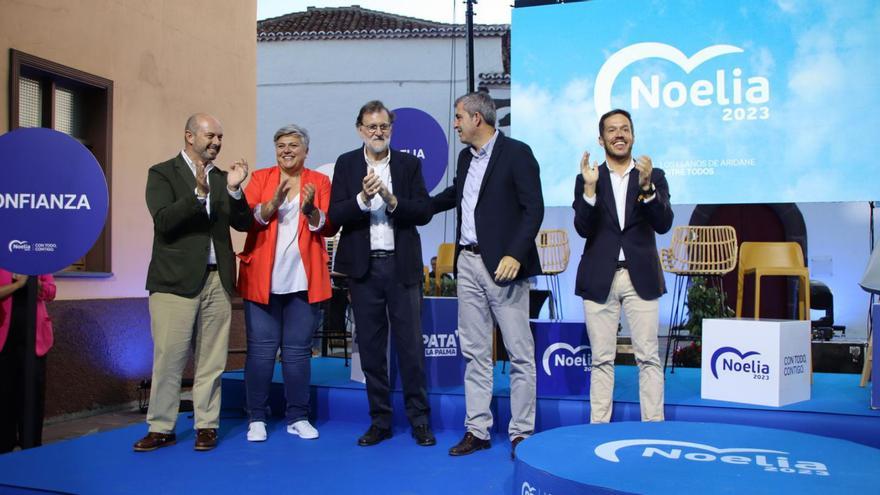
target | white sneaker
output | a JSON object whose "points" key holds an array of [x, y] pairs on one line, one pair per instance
{"points": [[303, 429], [256, 432]]}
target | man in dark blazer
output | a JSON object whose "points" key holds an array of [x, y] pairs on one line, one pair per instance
{"points": [[191, 278], [378, 198], [618, 208], [497, 195]]}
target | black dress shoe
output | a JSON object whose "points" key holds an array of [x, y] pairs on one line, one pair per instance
{"points": [[468, 445], [424, 436], [373, 436], [513, 444]]}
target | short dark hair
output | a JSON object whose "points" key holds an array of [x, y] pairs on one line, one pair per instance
{"points": [[616, 111], [373, 107]]}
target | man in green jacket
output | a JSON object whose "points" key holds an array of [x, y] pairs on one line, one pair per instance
{"points": [[191, 278]]}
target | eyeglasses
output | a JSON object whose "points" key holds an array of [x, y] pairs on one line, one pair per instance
{"points": [[372, 128]]}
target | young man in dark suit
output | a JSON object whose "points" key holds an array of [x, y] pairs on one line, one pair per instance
{"points": [[497, 194], [619, 206], [191, 278], [378, 198]]}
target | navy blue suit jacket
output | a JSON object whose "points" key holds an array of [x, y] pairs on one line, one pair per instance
{"points": [[413, 209], [510, 206], [600, 226]]}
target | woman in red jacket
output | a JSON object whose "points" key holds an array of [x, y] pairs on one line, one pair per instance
{"points": [[13, 307], [283, 276]]}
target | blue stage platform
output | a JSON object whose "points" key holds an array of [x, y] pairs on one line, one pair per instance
{"points": [[105, 463], [839, 407], [704, 458]]}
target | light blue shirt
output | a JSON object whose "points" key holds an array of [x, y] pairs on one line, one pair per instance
{"points": [[471, 193]]}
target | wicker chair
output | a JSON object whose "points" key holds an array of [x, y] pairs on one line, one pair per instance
{"points": [[708, 252], [554, 252]]}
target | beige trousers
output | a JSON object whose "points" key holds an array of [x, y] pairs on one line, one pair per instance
{"points": [[175, 321], [643, 319]]}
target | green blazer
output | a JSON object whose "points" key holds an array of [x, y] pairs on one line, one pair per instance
{"points": [[182, 228]]}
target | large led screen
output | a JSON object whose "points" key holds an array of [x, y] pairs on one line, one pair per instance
{"points": [[739, 101]]}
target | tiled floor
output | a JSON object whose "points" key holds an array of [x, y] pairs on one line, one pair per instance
{"points": [[75, 428]]}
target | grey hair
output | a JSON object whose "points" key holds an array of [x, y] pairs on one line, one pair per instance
{"points": [[479, 102], [293, 130]]}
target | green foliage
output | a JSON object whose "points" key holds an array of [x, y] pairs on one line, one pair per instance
{"points": [[447, 287], [703, 301]]}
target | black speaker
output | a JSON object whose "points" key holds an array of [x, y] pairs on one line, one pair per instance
{"points": [[842, 356]]}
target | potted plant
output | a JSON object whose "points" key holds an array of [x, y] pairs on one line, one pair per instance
{"points": [[703, 301], [447, 287]]}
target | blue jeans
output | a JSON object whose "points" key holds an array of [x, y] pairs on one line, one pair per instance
{"points": [[288, 322]]}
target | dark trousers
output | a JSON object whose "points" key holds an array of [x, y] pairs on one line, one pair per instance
{"points": [[288, 323], [381, 303], [12, 398]]}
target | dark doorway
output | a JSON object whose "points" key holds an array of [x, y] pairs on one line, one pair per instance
{"points": [[759, 223]]}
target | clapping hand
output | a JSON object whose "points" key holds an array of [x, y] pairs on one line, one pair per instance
{"points": [[644, 166], [201, 180], [269, 208], [590, 173], [371, 185], [237, 173], [280, 193], [308, 199], [387, 197]]}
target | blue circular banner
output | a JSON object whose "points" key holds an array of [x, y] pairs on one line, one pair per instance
{"points": [[53, 201], [689, 457], [417, 133]]}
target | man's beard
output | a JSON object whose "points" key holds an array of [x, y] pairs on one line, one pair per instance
{"points": [[378, 146], [625, 154]]}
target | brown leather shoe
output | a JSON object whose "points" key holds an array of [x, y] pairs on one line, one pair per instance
{"points": [[468, 445], [206, 438], [154, 441], [513, 444]]}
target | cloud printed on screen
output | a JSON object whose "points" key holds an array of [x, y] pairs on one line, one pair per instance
{"points": [[817, 56]]}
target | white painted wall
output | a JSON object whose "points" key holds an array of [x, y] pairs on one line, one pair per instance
{"points": [[321, 85]]}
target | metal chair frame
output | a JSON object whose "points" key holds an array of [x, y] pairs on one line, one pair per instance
{"points": [[695, 251]]}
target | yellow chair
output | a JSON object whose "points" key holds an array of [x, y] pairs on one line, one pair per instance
{"points": [[695, 251], [771, 259], [445, 264]]}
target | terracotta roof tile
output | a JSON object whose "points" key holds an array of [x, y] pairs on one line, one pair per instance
{"points": [[358, 23]]}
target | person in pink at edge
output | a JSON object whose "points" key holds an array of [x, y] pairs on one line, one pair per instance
{"points": [[13, 307]]}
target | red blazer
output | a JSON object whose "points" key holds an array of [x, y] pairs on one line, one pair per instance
{"points": [[45, 338], [258, 257]]}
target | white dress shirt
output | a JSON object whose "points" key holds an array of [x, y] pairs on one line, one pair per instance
{"points": [[471, 193], [212, 256], [619, 186], [381, 227], [288, 270]]}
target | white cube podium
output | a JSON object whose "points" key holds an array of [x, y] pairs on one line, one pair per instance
{"points": [[763, 362]]}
